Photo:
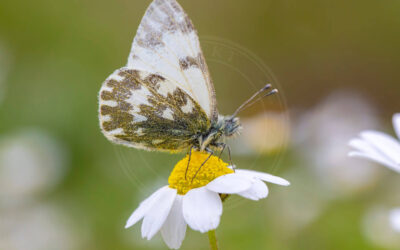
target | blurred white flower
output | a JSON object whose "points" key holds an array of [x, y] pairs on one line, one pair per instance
{"points": [[31, 162], [379, 227], [193, 197], [320, 135], [379, 147], [394, 218], [38, 227]]}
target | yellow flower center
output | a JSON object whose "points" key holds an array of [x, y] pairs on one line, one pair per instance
{"points": [[195, 176]]}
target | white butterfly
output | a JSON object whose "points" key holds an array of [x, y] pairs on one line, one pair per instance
{"points": [[164, 98]]}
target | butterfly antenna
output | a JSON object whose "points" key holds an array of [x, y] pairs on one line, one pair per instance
{"points": [[274, 91], [251, 100]]}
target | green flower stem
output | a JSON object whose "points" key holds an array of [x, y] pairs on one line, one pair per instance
{"points": [[213, 240]]}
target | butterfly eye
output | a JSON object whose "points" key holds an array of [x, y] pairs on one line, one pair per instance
{"points": [[232, 125]]}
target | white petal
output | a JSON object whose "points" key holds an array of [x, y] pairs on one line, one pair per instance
{"points": [[263, 176], [384, 143], [396, 124], [367, 149], [380, 160], [144, 206], [202, 209], [258, 190], [174, 229], [364, 146], [157, 214], [230, 184]]}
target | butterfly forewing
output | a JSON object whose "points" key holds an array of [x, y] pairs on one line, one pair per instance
{"points": [[148, 111], [166, 43]]}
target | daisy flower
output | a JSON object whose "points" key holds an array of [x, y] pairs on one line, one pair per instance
{"points": [[193, 197], [394, 219], [379, 147]]}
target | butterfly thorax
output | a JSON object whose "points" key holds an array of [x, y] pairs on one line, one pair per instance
{"points": [[225, 127]]}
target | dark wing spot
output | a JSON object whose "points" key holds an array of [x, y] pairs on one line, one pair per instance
{"points": [[187, 25], [188, 62], [154, 79]]}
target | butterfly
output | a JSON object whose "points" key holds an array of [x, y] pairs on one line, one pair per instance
{"points": [[164, 98]]}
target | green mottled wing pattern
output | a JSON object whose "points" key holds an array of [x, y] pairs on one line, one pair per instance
{"points": [[148, 111]]}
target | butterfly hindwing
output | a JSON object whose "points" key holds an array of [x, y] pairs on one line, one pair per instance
{"points": [[166, 43], [148, 111]]}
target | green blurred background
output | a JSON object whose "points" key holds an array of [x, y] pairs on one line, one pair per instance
{"points": [[55, 54]]}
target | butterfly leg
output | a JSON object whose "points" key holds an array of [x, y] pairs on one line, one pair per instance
{"points": [[204, 162], [224, 145], [190, 156], [230, 157], [222, 150]]}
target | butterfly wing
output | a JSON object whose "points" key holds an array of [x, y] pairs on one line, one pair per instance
{"points": [[148, 111], [167, 44], [164, 96]]}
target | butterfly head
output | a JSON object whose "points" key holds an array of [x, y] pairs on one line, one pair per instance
{"points": [[230, 126], [225, 127]]}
